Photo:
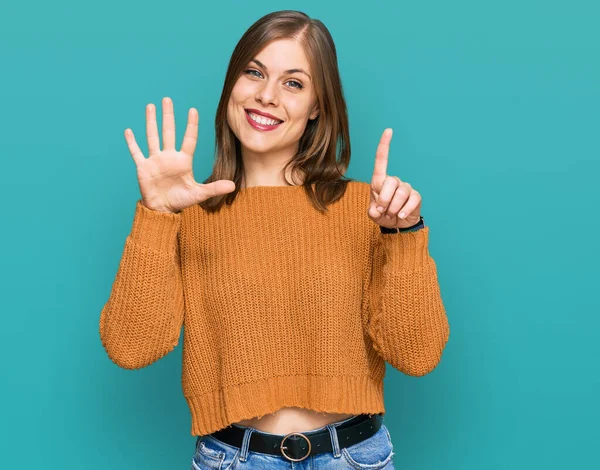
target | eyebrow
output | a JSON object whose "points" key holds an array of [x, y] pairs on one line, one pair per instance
{"points": [[286, 72]]}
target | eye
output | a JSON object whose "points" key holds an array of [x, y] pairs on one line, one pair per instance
{"points": [[249, 71], [296, 83], [299, 87]]}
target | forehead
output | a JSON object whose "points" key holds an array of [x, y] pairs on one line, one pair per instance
{"points": [[283, 54]]}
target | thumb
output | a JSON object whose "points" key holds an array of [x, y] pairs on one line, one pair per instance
{"points": [[216, 188]]}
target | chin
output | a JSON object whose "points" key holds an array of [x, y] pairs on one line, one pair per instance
{"points": [[257, 141], [257, 147]]}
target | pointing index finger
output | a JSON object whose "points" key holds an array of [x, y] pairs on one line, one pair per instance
{"points": [[381, 156]]}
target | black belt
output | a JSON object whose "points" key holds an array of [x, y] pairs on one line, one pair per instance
{"points": [[297, 446]]}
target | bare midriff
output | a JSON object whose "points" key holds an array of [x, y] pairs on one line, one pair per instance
{"points": [[292, 419]]}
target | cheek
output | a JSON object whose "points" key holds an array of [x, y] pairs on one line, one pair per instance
{"points": [[240, 97], [233, 119], [235, 104], [231, 114], [299, 109], [241, 91]]}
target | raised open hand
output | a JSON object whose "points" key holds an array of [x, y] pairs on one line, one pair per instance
{"points": [[166, 178], [394, 203]]}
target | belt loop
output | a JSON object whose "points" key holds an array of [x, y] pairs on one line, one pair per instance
{"points": [[246, 443], [334, 441]]}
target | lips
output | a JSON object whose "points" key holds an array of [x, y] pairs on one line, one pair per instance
{"points": [[262, 113], [258, 126]]}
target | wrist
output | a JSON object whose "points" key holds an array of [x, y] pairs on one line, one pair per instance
{"points": [[420, 224], [156, 208]]}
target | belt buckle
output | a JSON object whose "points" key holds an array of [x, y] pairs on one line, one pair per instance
{"points": [[282, 447]]}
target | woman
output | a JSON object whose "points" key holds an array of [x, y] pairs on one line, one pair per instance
{"points": [[295, 284]]}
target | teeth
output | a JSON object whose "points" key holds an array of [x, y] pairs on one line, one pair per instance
{"points": [[263, 120]]}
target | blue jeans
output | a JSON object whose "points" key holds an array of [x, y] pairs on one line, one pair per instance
{"points": [[373, 453]]}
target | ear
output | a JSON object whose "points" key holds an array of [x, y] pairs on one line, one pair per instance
{"points": [[314, 114]]}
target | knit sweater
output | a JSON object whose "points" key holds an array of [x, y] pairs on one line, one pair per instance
{"points": [[281, 305]]}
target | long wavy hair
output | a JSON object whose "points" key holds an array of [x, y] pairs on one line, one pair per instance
{"points": [[323, 152]]}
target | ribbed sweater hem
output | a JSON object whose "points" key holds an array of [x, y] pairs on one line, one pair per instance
{"points": [[342, 394]]}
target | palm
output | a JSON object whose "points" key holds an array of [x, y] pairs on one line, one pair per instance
{"points": [[169, 176]]}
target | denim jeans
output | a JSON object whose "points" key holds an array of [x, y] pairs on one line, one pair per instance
{"points": [[373, 453]]}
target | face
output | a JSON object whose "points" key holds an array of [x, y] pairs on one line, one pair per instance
{"points": [[276, 82]]}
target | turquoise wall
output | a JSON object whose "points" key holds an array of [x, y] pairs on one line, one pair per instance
{"points": [[495, 111]]}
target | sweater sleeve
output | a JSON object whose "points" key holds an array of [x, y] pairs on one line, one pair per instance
{"points": [[142, 319], [407, 320]]}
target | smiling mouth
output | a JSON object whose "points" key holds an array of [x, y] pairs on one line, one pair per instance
{"points": [[262, 123]]}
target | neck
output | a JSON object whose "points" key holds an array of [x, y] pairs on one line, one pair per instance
{"points": [[266, 169]]}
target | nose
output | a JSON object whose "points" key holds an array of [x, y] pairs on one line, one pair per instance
{"points": [[268, 93]]}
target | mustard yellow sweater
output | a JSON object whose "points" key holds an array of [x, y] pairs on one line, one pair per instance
{"points": [[280, 304]]}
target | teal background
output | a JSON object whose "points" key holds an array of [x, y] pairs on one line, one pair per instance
{"points": [[495, 111]]}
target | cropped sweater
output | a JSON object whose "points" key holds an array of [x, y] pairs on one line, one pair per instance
{"points": [[280, 304]]}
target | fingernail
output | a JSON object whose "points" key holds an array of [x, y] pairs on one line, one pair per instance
{"points": [[380, 209], [402, 215]]}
